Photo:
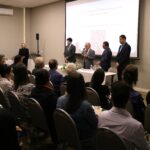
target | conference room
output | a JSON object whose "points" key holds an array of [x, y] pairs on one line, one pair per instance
{"points": [[73, 111]]}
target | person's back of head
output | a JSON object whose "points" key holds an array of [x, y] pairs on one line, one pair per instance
{"points": [[97, 78], [76, 91], [130, 74], [41, 77], [120, 94], [2, 59], [4, 70], [53, 64], [17, 59], [39, 62], [70, 68], [20, 74]]}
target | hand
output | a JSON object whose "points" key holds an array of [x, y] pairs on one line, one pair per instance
{"points": [[117, 65]]}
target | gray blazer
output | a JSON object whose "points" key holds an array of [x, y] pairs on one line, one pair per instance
{"points": [[88, 61]]}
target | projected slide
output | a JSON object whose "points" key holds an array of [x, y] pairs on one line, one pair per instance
{"points": [[96, 21]]}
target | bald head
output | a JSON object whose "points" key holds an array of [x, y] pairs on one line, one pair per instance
{"points": [[39, 62]]}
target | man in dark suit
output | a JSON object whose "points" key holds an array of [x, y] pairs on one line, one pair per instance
{"points": [[106, 57], [24, 52], [88, 56], [123, 56], [69, 52]]}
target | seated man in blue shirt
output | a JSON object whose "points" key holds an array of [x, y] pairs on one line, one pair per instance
{"points": [[55, 77]]}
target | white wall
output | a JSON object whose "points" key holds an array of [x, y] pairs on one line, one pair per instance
{"points": [[11, 34], [49, 22]]}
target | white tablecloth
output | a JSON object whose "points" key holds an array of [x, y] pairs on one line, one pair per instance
{"points": [[87, 73]]}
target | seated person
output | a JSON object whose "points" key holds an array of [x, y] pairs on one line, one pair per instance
{"points": [[130, 76], [148, 97], [22, 86], [55, 77], [74, 102], [44, 94], [2, 59], [5, 77], [8, 135], [119, 120], [102, 90], [39, 64], [17, 59]]}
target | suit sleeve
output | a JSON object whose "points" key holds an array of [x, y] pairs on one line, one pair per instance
{"points": [[91, 55]]}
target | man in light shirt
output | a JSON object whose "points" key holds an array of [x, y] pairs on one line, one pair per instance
{"points": [[119, 120]]}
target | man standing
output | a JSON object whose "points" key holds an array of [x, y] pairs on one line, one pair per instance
{"points": [[24, 52], [69, 52], [88, 56], [106, 57], [123, 56]]}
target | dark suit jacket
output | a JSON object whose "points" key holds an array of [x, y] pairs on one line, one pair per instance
{"points": [[123, 56], [24, 52], [106, 59], [70, 53]]}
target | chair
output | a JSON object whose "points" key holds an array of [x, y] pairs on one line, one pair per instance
{"points": [[148, 97], [147, 119], [107, 140], [92, 96], [3, 100], [16, 107], [37, 115], [129, 108], [66, 129]]}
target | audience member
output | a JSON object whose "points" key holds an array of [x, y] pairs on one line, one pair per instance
{"points": [[55, 77], [2, 59], [102, 90], [22, 86], [130, 76], [8, 135], [74, 102], [119, 120], [39, 64], [43, 93], [5, 77]]}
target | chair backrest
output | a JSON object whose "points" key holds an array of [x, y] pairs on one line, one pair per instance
{"points": [[3, 100], [37, 115], [147, 118], [148, 97], [15, 106], [66, 129], [106, 140], [92, 96], [129, 108]]}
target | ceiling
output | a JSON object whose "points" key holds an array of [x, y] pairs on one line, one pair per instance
{"points": [[26, 3]]}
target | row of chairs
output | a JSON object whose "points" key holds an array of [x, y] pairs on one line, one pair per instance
{"points": [[63, 121]]}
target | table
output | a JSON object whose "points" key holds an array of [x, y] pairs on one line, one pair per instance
{"points": [[87, 73]]}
